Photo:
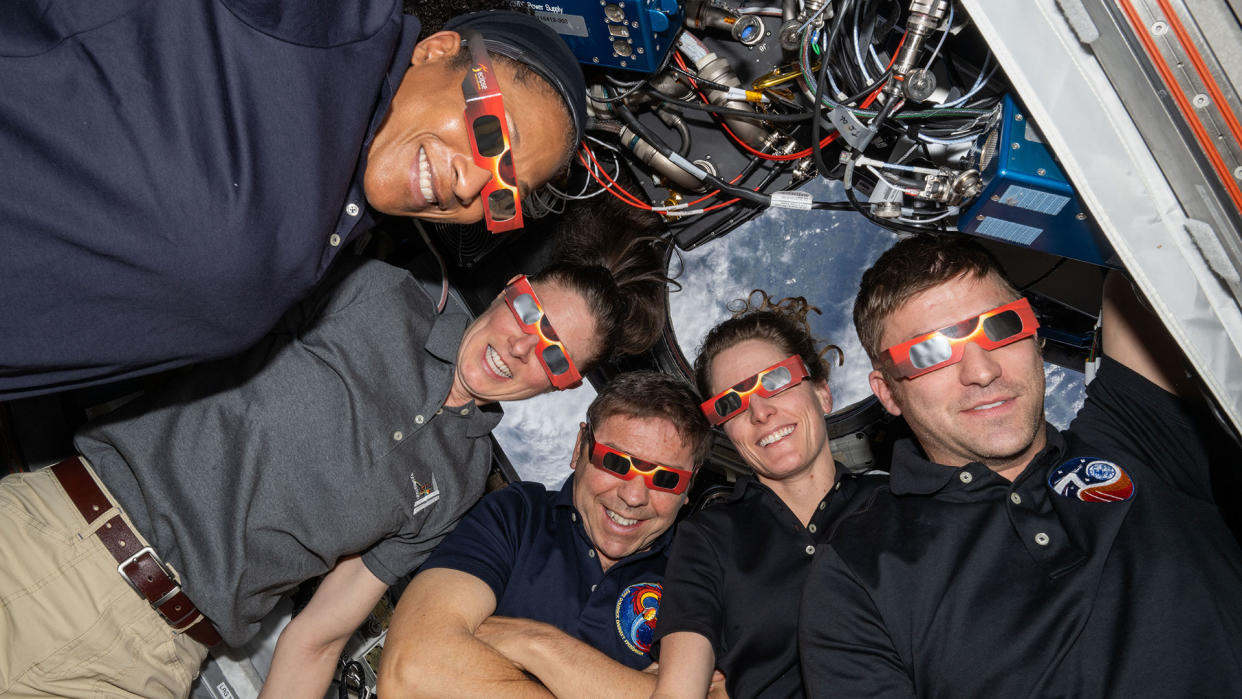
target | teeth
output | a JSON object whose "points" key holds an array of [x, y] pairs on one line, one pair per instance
{"points": [[424, 177], [989, 405], [776, 436], [497, 365], [623, 521]]}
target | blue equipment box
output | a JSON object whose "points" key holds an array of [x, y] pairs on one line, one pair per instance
{"points": [[1028, 201], [633, 35]]}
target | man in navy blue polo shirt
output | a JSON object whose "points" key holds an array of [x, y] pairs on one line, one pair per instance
{"points": [[1006, 557], [559, 589], [177, 175]]}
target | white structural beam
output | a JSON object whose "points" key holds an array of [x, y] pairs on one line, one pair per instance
{"points": [[1080, 115]]}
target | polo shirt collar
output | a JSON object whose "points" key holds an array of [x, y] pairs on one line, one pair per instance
{"points": [[410, 27], [443, 341], [913, 474], [750, 480]]}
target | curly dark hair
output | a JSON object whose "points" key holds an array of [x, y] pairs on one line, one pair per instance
{"points": [[757, 317]]}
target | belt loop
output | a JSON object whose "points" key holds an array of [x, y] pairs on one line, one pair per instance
{"points": [[137, 563]]}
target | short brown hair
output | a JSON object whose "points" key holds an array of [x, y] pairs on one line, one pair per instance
{"points": [[651, 394], [910, 267], [757, 317]]}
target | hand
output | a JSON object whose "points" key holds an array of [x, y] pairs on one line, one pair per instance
{"points": [[717, 690]]}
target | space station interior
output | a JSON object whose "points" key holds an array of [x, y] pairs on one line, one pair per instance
{"points": [[1068, 137]]}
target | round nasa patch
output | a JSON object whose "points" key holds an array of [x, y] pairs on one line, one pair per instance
{"points": [[637, 609], [1089, 479]]}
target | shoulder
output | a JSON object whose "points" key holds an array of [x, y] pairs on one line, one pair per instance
{"points": [[519, 499], [876, 521], [316, 23]]}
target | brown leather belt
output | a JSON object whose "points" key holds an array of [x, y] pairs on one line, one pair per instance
{"points": [[137, 563]]}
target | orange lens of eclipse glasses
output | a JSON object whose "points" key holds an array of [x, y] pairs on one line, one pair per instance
{"points": [[525, 306], [625, 466], [767, 383], [489, 139], [941, 348]]}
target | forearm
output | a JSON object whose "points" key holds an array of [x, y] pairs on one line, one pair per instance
{"points": [[300, 669], [308, 648], [458, 665], [571, 668], [686, 664], [432, 649]]}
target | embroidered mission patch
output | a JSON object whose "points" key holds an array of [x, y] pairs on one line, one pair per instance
{"points": [[1090, 479], [637, 609]]}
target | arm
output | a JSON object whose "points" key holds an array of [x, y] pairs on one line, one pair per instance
{"points": [[310, 646], [687, 659], [844, 645], [566, 666], [432, 651], [1134, 336]]}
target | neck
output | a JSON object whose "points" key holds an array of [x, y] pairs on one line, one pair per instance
{"points": [[802, 492], [458, 396]]}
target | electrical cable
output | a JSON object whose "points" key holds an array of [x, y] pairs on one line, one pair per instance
{"points": [[644, 133], [943, 35], [639, 84], [817, 151], [725, 126], [726, 111], [883, 223], [440, 260], [1055, 266]]}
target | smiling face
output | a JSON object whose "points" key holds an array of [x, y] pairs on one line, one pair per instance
{"points": [[782, 437], [498, 361], [622, 517], [989, 407], [420, 163]]}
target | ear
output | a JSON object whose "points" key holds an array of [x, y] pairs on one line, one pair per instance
{"points": [[824, 394], [879, 386], [439, 46], [573, 460]]}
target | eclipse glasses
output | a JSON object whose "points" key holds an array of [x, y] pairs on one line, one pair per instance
{"points": [[779, 377], [489, 139], [625, 466], [551, 351], [940, 348]]}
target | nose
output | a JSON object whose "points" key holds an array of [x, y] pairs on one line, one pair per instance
{"points": [[760, 409], [978, 366], [634, 492], [468, 179], [521, 345]]}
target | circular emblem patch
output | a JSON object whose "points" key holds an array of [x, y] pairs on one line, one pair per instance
{"points": [[637, 609], [1090, 479]]}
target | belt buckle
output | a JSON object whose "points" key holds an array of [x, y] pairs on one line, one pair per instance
{"points": [[120, 569]]}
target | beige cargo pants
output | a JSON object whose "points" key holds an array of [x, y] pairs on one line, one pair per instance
{"points": [[70, 626]]}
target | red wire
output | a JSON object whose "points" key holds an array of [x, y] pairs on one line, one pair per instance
{"points": [[621, 193], [613, 188], [624, 195]]}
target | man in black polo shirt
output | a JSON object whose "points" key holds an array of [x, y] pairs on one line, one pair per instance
{"points": [[562, 585], [1006, 557]]}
